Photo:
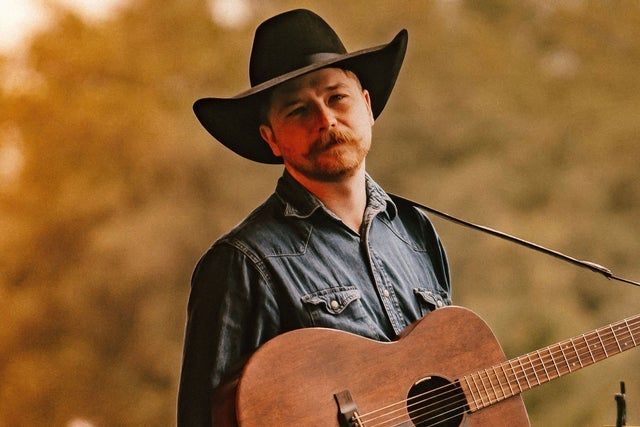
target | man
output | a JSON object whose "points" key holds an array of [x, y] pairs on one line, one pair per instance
{"points": [[329, 248]]}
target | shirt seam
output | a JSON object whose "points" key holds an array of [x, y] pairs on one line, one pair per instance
{"points": [[254, 259], [302, 252], [414, 247]]}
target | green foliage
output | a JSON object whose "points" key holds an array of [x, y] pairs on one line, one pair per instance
{"points": [[519, 115]]}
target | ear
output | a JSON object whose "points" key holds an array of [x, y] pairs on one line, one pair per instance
{"points": [[367, 100], [267, 134]]}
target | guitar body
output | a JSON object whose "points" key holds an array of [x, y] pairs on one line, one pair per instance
{"points": [[292, 379]]}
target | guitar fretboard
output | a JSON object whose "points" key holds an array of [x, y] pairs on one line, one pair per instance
{"points": [[522, 373]]}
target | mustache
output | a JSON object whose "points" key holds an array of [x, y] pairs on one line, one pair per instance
{"points": [[332, 137]]}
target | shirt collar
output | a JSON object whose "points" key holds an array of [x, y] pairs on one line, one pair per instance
{"points": [[299, 202], [378, 199]]}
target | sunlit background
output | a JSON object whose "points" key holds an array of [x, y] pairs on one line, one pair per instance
{"points": [[523, 116]]}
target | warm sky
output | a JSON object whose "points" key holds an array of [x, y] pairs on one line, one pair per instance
{"points": [[18, 18]]}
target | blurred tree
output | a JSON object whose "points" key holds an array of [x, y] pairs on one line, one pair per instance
{"points": [[519, 115], [115, 202]]}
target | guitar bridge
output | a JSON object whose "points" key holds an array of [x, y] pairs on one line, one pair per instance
{"points": [[347, 410]]}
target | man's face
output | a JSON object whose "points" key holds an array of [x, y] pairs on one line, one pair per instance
{"points": [[320, 123]]}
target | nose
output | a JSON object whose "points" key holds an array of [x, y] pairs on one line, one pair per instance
{"points": [[326, 117]]}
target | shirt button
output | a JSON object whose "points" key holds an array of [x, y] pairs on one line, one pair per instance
{"points": [[334, 304], [385, 293]]}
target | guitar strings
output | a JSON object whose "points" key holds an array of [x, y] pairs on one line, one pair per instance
{"points": [[423, 417], [437, 393], [508, 377], [451, 387], [584, 347], [497, 398], [495, 394], [515, 376], [457, 410], [420, 418]]}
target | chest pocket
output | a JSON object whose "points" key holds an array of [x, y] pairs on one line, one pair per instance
{"points": [[339, 308], [430, 300]]}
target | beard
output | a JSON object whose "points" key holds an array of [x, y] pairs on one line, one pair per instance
{"points": [[333, 156]]}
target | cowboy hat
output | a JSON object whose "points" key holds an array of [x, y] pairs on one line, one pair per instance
{"points": [[287, 46]]}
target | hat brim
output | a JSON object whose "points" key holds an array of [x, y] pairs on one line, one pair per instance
{"points": [[235, 121]]}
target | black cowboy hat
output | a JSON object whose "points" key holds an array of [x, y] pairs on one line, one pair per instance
{"points": [[284, 47]]}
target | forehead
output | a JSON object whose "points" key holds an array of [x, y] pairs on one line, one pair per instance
{"points": [[320, 80]]}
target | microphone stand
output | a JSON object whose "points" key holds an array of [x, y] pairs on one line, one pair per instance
{"points": [[621, 419]]}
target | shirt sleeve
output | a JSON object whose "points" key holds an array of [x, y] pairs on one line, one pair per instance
{"points": [[231, 311]]}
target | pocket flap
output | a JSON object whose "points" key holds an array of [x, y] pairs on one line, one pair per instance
{"points": [[431, 297], [333, 300]]}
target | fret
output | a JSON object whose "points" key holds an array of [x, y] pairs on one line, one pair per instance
{"points": [[588, 347], [479, 391], [487, 387], [604, 347], [564, 356], [553, 360], [504, 372], [630, 333], [491, 386], [526, 377], [515, 376], [543, 364], [577, 354], [497, 374], [615, 337], [534, 368], [621, 338], [473, 396], [507, 379]]}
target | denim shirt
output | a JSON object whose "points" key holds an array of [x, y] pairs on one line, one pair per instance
{"points": [[294, 264]]}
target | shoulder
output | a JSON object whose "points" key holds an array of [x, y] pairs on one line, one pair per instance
{"points": [[417, 225], [407, 207], [266, 232], [233, 260], [412, 219]]}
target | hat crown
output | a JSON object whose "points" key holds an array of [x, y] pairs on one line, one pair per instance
{"points": [[288, 42]]}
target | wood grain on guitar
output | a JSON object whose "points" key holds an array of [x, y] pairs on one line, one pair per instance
{"points": [[446, 370]]}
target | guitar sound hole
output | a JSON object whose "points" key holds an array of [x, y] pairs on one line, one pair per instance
{"points": [[435, 401]]}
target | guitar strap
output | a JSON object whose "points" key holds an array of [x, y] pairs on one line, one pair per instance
{"points": [[508, 237]]}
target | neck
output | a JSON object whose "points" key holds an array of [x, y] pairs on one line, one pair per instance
{"points": [[346, 197]]}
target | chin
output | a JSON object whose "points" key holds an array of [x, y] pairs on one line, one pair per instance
{"points": [[336, 170]]}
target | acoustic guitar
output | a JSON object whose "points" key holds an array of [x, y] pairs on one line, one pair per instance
{"points": [[447, 369]]}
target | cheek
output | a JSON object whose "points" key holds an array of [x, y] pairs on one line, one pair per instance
{"points": [[290, 142], [363, 126], [363, 117], [288, 132]]}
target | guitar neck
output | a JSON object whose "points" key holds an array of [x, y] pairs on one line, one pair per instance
{"points": [[499, 382]]}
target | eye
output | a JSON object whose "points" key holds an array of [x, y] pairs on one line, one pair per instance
{"points": [[298, 111], [338, 97]]}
